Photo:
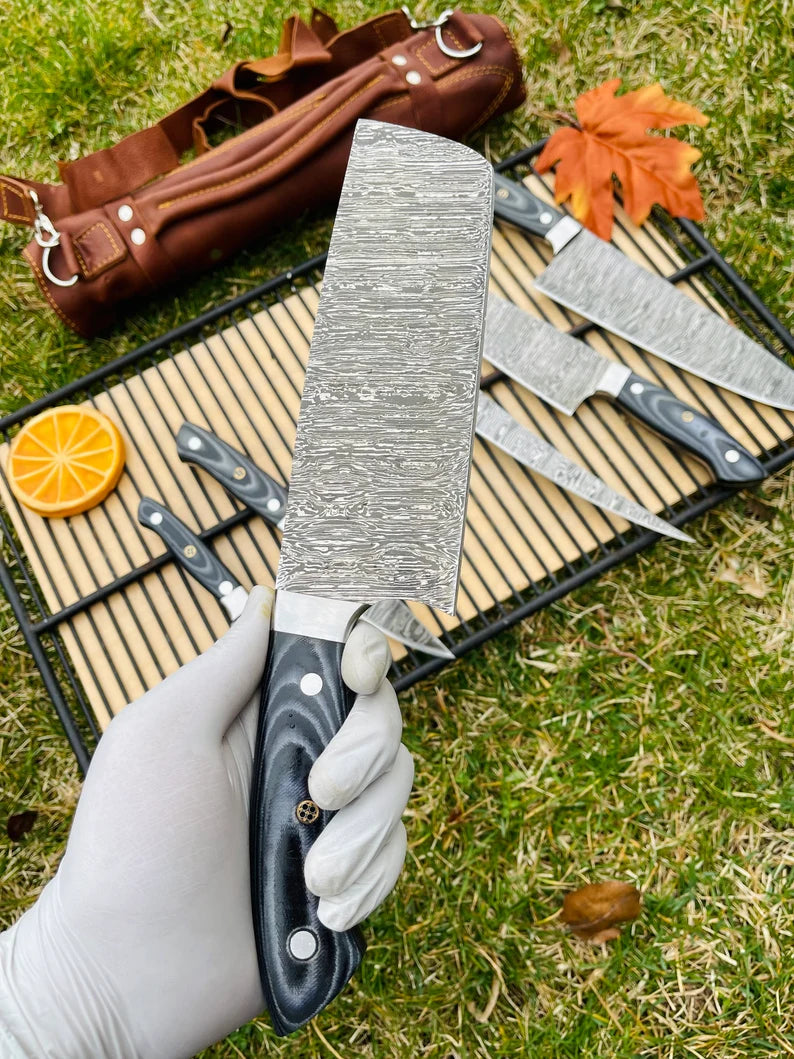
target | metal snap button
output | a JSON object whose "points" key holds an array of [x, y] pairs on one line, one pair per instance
{"points": [[413, 77], [138, 236], [125, 213]]}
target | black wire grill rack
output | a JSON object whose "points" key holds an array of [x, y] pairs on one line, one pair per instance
{"points": [[680, 251]]}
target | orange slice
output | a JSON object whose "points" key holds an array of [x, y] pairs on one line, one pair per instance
{"points": [[65, 461]]}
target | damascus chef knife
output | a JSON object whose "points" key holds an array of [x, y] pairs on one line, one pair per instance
{"points": [[565, 372], [595, 279], [263, 494], [496, 425], [194, 555], [377, 498]]}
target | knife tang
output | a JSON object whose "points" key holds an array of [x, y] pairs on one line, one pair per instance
{"points": [[303, 964], [187, 548], [241, 477], [699, 434], [517, 205]]}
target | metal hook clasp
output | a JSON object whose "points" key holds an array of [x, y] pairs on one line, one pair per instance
{"points": [[47, 236], [442, 18], [466, 53]]}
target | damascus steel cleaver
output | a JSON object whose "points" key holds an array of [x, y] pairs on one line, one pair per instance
{"points": [[377, 500], [594, 278]]}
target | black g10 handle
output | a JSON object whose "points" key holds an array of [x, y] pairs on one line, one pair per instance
{"points": [[303, 965]]}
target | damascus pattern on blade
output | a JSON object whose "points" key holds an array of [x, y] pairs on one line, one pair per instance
{"points": [[595, 279], [383, 449], [560, 369], [498, 426]]}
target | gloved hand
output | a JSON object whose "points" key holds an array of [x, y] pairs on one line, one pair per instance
{"points": [[142, 945]]}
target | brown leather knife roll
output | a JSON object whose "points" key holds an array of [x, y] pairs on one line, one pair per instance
{"points": [[127, 220]]}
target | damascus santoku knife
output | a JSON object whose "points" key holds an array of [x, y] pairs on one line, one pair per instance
{"points": [[565, 372], [377, 499], [497, 426], [595, 279], [264, 495]]}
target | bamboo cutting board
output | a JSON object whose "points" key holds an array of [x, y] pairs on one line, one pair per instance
{"points": [[244, 383]]}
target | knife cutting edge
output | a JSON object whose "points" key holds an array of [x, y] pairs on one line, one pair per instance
{"points": [[565, 372], [497, 426], [377, 498], [595, 279], [264, 495]]}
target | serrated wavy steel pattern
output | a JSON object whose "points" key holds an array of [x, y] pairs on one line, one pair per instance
{"points": [[383, 449], [594, 279]]}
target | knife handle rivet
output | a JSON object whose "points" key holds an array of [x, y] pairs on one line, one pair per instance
{"points": [[637, 387], [155, 518], [238, 474], [225, 587], [546, 217], [307, 811], [399, 60], [189, 551], [732, 456], [302, 944], [311, 684], [194, 444], [413, 77], [502, 193], [273, 504]]}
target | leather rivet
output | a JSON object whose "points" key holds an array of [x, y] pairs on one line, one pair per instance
{"points": [[138, 236], [125, 213], [413, 77], [399, 60]]}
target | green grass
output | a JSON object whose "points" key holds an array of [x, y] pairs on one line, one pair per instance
{"points": [[638, 730]]}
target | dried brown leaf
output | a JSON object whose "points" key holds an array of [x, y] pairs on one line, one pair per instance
{"points": [[20, 823], [593, 911]]}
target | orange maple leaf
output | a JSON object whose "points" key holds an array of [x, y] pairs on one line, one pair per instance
{"points": [[612, 140]]}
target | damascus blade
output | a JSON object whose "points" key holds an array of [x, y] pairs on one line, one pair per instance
{"points": [[382, 454], [496, 425]]}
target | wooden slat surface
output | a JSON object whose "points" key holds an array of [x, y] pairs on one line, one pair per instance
{"points": [[244, 383]]}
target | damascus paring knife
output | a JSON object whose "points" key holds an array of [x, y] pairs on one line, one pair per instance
{"points": [[194, 555], [377, 499], [263, 494], [565, 372], [595, 279], [496, 425]]}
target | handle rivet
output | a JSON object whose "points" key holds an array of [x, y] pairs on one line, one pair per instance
{"points": [[502, 193], [225, 587], [413, 77], [189, 551], [732, 456], [687, 416], [156, 518], [194, 444], [238, 473], [307, 811], [311, 684], [138, 236], [125, 213], [637, 387], [273, 504], [546, 217], [302, 944], [399, 60]]}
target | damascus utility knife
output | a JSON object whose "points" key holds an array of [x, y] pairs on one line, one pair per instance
{"points": [[564, 372], [377, 499], [595, 279], [264, 495]]}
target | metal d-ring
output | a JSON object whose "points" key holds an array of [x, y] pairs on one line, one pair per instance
{"points": [[466, 54], [45, 267]]}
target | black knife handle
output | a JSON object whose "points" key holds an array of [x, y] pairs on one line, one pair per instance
{"points": [[730, 462], [233, 470], [517, 205], [187, 548], [302, 964]]}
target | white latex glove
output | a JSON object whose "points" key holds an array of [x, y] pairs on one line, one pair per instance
{"points": [[142, 945]]}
